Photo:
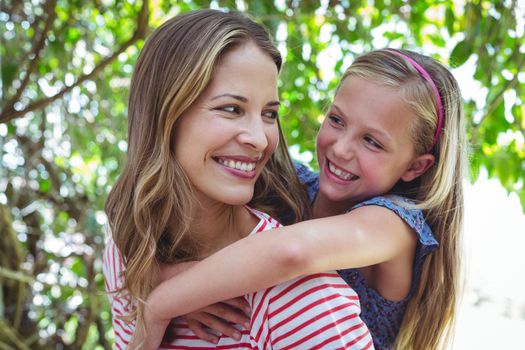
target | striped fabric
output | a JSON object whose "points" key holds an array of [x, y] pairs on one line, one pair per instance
{"points": [[112, 267], [318, 311]]}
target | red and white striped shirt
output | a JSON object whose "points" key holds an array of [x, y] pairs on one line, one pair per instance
{"points": [[318, 311]]}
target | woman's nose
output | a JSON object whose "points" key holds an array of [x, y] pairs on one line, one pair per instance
{"points": [[254, 134]]}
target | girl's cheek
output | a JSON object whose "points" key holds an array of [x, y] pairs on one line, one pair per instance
{"points": [[323, 139]]}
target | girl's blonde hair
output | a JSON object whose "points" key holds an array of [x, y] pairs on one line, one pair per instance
{"points": [[152, 193], [430, 313]]}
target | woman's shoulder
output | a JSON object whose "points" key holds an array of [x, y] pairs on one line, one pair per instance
{"points": [[111, 252], [405, 210], [266, 221], [112, 266]]}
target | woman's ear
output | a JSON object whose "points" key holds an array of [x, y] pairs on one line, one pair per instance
{"points": [[418, 167]]}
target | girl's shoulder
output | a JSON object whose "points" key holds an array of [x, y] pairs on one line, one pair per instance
{"points": [[413, 217], [308, 178]]}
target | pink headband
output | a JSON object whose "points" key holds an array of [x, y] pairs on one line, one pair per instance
{"points": [[427, 76]]}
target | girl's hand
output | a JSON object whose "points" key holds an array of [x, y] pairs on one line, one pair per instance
{"points": [[152, 332], [220, 317], [149, 335]]}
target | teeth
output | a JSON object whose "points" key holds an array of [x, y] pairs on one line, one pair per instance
{"points": [[342, 174], [237, 165]]}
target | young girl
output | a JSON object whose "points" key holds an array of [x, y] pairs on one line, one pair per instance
{"points": [[202, 137], [388, 202]]}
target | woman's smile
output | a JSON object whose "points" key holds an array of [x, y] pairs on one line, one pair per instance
{"points": [[241, 166], [235, 122]]}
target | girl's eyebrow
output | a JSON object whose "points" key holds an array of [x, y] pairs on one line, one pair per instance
{"points": [[372, 129], [339, 110], [244, 99]]}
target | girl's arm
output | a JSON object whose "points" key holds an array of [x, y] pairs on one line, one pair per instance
{"points": [[219, 316], [354, 239], [216, 316]]}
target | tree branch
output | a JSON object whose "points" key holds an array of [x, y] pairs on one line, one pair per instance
{"points": [[492, 105], [102, 334], [142, 21], [72, 206], [22, 277], [91, 311], [10, 334], [15, 275], [49, 8]]}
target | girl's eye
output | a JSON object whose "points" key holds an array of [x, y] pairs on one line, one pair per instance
{"points": [[373, 142], [335, 120], [273, 115]]}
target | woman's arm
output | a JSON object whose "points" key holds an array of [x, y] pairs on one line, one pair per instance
{"points": [[366, 236]]}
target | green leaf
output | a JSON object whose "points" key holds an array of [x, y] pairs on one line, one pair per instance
{"points": [[72, 35], [9, 71], [450, 19], [44, 185], [461, 53], [78, 267]]}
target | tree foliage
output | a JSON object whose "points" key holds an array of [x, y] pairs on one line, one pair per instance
{"points": [[65, 70]]}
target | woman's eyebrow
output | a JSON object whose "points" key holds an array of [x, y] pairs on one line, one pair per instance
{"points": [[244, 99], [237, 97]]}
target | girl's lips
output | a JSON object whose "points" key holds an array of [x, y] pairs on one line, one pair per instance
{"points": [[337, 174]]}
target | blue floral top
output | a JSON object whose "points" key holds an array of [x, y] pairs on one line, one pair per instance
{"points": [[383, 317]]}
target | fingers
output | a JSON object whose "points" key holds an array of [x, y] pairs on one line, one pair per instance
{"points": [[220, 318], [240, 303], [201, 332], [198, 321], [228, 313]]}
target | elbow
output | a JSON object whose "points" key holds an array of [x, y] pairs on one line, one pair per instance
{"points": [[293, 259]]}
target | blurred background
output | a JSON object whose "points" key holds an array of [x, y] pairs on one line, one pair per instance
{"points": [[65, 72]]}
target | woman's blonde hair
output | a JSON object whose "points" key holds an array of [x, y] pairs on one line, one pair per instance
{"points": [[152, 193], [430, 314]]}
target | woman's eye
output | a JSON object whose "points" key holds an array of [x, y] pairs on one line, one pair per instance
{"points": [[271, 115], [230, 109]]}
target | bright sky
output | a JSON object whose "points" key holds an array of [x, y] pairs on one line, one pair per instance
{"points": [[494, 303]]}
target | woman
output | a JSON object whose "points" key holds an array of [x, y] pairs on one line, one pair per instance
{"points": [[204, 140]]}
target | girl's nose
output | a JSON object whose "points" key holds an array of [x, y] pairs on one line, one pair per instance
{"points": [[343, 148]]}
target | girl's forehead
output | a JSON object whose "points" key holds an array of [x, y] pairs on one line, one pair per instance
{"points": [[374, 108], [357, 93]]}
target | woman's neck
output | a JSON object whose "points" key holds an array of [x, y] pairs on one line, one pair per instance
{"points": [[216, 226]]}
